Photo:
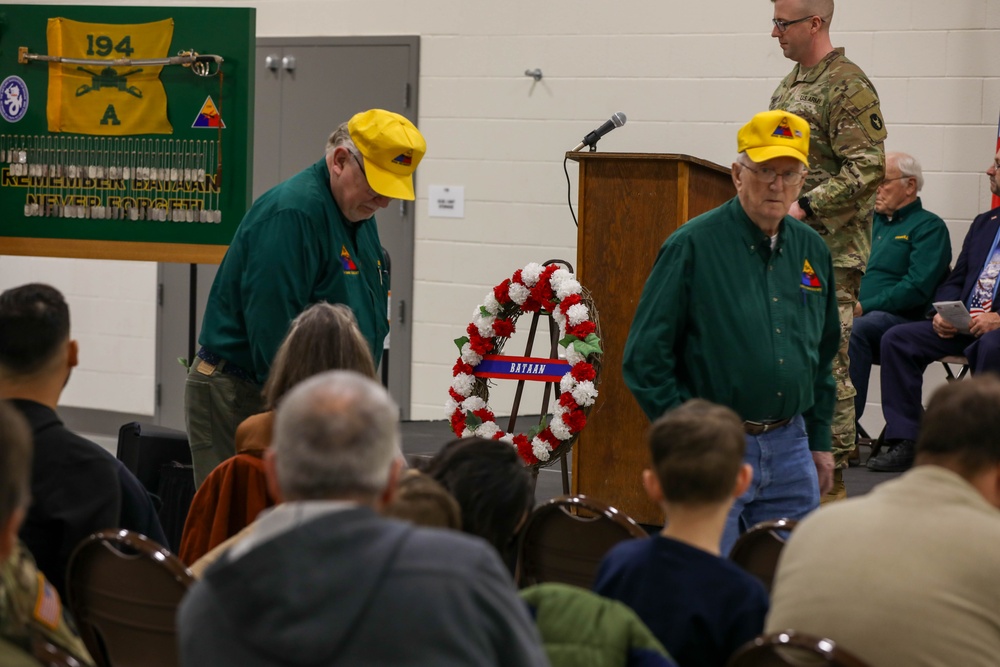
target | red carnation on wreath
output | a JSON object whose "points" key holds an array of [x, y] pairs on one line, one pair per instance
{"points": [[554, 290]]}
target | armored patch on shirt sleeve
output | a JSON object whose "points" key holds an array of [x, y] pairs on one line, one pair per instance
{"points": [[863, 104]]}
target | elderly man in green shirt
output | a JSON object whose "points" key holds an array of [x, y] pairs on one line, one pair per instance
{"points": [[741, 309], [911, 249]]}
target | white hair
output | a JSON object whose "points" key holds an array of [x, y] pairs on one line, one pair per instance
{"points": [[335, 436]]}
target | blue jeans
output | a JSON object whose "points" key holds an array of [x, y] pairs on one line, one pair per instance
{"points": [[866, 338], [784, 486]]}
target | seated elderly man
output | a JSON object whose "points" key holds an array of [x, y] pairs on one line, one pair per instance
{"points": [[908, 349], [927, 590], [911, 250], [324, 580]]}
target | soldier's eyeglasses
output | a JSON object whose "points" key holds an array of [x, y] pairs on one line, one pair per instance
{"points": [[768, 175], [782, 25]]}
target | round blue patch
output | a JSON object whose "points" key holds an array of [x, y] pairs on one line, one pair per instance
{"points": [[13, 99]]}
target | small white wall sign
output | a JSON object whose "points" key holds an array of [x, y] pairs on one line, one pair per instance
{"points": [[446, 201]]}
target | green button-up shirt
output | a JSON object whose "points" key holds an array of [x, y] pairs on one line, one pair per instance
{"points": [[910, 256], [725, 318]]}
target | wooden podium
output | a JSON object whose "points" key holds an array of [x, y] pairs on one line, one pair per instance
{"points": [[629, 203]]}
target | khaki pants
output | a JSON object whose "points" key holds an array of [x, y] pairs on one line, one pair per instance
{"points": [[215, 403]]}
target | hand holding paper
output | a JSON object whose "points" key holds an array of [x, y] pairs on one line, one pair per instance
{"points": [[953, 313]]}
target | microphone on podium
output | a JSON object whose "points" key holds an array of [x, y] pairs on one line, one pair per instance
{"points": [[616, 120]]}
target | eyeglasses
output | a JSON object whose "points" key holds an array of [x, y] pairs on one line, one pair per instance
{"points": [[767, 175], [898, 178], [782, 25], [361, 166]]}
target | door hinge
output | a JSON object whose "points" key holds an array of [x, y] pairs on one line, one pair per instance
{"points": [[159, 295], [406, 95], [159, 394], [401, 312]]}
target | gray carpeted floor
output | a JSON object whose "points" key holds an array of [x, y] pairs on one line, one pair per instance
{"points": [[421, 439]]}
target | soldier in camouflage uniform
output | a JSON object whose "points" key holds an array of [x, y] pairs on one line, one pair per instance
{"points": [[30, 609], [846, 165]]}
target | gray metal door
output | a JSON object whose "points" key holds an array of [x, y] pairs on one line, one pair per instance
{"points": [[304, 88]]}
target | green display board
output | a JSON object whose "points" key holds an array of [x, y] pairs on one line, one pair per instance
{"points": [[110, 153]]}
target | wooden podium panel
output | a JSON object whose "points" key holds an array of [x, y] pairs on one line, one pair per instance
{"points": [[629, 203]]}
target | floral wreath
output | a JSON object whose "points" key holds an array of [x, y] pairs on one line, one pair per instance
{"points": [[535, 288]]}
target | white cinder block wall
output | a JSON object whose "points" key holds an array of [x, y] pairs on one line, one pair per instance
{"points": [[686, 74]]}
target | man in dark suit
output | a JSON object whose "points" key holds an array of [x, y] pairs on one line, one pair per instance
{"points": [[77, 488], [908, 349]]}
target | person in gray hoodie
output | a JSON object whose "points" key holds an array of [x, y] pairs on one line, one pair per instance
{"points": [[325, 580]]}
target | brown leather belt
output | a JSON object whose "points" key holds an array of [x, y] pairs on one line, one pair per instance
{"points": [[757, 428]]}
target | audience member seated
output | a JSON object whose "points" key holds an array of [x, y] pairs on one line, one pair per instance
{"points": [[582, 628], [30, 608], [422, 501], [927, 589], [323, 579], [910, 253], [323, 337], [77, 487], [907, 349], [491, 485], [700, 605]]}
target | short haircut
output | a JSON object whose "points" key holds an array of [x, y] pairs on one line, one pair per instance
{"points": [[34, 321], [697, 451], [335, 436], [821, 8], [491, 485], [324, 337], [341, 137], [908, 167], [15, 461], [423, 501], [962, 425]]}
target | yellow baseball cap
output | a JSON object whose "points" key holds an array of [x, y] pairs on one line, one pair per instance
{"points": [[391, 147], [772, 134]]}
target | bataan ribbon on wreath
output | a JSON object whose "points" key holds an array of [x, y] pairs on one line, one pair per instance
{"points": [[100, 99], [531, 289]]}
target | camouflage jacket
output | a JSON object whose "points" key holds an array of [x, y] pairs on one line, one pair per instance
{"points": [[30, 608], [846, 151]]}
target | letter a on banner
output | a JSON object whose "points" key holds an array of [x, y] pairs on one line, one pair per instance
{"points": [[99, 98]]}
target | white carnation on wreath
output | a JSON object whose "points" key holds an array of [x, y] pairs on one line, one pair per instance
{"points": [[560, 319], [450, 405], [530, 274], [470, 357], [585, 393], [577, 313], [518, 293], [473, 403], [491, 304], [508, 438], [572, 356], [540, 449], [559, 428], [484, 324], [487, 430], [463, 383], [566, 384]]}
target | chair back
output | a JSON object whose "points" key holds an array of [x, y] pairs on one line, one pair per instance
{"points": [[757, 550], [124, 590], [788, 647], [564, 540], [50, 655]]}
